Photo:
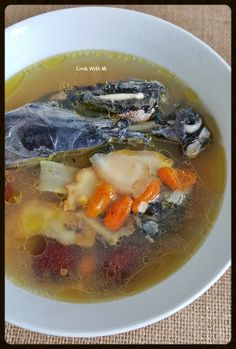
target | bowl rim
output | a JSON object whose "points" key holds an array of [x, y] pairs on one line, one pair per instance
{"points": [[204, 287], [36, 17]]}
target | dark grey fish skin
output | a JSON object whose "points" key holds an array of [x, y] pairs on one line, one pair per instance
{"points": [[38, 130], [131, 99], [161, 217], [186, 127]]}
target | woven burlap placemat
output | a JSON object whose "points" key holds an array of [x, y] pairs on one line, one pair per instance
{"points": [[208, 319]]}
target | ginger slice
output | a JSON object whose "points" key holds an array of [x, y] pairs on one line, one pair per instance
{"points": [[80, 192]]}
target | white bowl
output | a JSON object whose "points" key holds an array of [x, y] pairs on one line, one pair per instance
{"points": [[201, 68]]}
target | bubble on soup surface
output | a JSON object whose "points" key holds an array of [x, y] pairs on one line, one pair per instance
{"points": [[187, 162], [20, 237], [36, 245], [105, 265]]}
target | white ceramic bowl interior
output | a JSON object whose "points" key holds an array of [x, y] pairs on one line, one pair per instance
{"points": [[201, 68]]}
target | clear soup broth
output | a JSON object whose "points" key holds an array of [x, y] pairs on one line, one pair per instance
{"points": [[103, 271]]}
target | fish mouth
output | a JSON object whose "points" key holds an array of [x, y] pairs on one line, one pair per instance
{"points": [[185, 126]]}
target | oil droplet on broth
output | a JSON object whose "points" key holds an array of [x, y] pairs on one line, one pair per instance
{"points": [[145, 259], [36, 245], [105, 265], [10, 177], [15, 197], [110, 273], [21, 237]]}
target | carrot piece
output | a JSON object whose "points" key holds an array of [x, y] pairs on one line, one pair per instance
{"points": [[118, 212], [177, 178], [100, 200], [87, 265], [147, 196]]}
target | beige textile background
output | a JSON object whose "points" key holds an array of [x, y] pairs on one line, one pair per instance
{"points": [[208, 319]]}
